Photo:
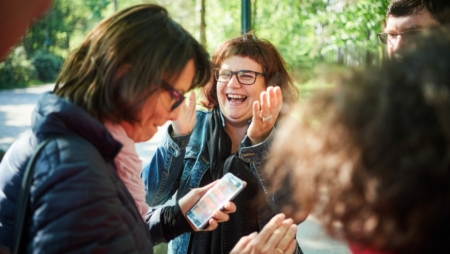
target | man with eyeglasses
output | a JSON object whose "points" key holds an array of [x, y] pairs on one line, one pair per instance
{"points": [[406, 19]]}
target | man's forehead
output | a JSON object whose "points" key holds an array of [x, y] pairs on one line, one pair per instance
{"points": [[416, 21]]}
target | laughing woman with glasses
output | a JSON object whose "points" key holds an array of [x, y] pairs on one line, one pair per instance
{"points": [[244, 101]]}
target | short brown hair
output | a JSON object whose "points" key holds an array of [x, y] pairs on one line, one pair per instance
{"points": [[260, 51], [142, 38], [439, 9]]}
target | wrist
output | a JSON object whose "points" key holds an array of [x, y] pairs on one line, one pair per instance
{"points": [[260, 139]]}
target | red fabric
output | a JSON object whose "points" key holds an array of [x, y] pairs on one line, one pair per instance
{"points": [[357, 249]]}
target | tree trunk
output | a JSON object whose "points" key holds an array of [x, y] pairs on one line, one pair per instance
{"points": [[68, 36], [202, 23], [116, 7], [254, 14], [26, 46]]}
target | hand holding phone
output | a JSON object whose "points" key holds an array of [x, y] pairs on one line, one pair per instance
{"points": [[214, 200]]}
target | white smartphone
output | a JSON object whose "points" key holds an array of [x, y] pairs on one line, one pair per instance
{"points": [[214, 200]]}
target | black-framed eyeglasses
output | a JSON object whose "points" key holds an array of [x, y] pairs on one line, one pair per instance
{"points": [[407, 36], [174, 95], [245, 77]]}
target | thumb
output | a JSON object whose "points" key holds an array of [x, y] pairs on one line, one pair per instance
{"points": [[204, 189]]}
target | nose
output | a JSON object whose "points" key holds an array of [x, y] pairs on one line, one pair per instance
{"points": [[234, 82], [395, 46]]}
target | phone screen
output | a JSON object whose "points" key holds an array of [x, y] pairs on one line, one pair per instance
{"points": [[214, 199]]}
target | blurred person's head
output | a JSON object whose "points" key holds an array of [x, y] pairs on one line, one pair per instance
{"points": [[133, 69], [405, 19], [371, 157], [256, 64], [15, 17]]}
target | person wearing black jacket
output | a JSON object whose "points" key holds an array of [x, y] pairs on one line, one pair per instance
{"points": [[132, 70]]}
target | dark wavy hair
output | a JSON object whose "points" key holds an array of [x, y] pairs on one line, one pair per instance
{"points": [[260, 51], [371, 157], [439, 9], [124, 60]]}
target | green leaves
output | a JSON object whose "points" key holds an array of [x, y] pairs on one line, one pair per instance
{"points": [[306, 32]]}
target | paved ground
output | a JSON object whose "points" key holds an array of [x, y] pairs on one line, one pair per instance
{"points": [[15, 117]]}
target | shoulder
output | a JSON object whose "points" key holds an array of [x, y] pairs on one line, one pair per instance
{"points": [[18, 154], [69, 156], [69, 149], [201, 125]]}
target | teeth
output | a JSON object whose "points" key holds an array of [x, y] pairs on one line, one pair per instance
{"points": [[236, 96]]}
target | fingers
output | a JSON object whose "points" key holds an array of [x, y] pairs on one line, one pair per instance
{"points": [[278, 236], [271, 102], [185, 120], [278, 98], [268, 229], [292, 247], [265, 102], [286, 238], [221, 216], [202, 190], [211, 226], [256, 111], [229, 207], [208, 186], [189, 200], [191, 100], [281, 237], [243, 246]]}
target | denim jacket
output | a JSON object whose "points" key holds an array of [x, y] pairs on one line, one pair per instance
{"points": [[180, 163]]}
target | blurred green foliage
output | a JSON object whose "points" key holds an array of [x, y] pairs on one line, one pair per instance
{"points": [[47, 65], [16, 70], [307, 33]]}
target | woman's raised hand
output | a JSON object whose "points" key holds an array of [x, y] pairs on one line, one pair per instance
{"points": [[265, 114], [186, 120]]}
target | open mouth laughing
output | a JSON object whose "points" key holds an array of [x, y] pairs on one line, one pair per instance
{"points": [[236, 98]]}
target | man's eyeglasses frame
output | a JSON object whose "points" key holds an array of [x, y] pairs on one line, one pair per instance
{"points": [[383, 38]]}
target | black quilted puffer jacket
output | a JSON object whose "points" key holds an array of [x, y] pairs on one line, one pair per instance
{"points": [[78, 202]]}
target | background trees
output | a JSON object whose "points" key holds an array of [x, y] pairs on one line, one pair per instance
{"points": [[307, 32]]}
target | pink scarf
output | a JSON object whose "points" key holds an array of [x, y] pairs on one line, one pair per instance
{"points": [[129, 166]]}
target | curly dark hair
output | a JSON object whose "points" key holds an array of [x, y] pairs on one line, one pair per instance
{"points": [[371, 157]]}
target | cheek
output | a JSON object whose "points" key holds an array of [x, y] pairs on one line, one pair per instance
{"points": [[219, 89], [161, 109], [149, 109], [258, 89]]}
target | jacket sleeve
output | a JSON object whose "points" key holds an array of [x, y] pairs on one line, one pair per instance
{"points": [[256, 155], [79, 205], [166, 223], [162, 176]]}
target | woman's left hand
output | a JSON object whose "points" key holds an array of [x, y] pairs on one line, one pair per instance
{"points": [[186, 119], [189, 200], [265, 114]]}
